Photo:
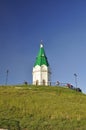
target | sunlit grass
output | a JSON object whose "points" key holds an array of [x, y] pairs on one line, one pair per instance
{"points": [[43, 108]]}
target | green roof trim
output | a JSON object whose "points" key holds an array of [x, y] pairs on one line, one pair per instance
{"points": [[41, 58]]}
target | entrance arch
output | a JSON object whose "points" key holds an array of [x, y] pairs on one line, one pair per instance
{"points": [[37, 82], [44, 82]]}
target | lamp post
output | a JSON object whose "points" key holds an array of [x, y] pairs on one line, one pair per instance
{"points": [[75, 79], [7, 76]]}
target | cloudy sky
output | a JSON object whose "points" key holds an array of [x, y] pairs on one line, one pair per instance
{"points": [[61, 24]]}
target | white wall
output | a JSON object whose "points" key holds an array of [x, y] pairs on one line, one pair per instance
{"points": [[41, 73]]}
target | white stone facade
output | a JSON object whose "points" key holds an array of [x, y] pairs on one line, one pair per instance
{"points": [[41, 75]]}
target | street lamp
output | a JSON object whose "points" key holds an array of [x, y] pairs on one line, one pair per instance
{"points": [[75, 79], [7, 76]]}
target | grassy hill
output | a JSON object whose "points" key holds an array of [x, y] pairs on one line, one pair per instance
{"points": [[42, 108]]}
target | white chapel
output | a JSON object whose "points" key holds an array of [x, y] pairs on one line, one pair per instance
{"points": [[41, 70]]}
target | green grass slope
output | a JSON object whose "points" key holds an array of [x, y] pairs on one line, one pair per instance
{"points": [[42, 108]]}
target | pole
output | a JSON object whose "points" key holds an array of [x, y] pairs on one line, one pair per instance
{"points": [[7, 76], [75, 79]]}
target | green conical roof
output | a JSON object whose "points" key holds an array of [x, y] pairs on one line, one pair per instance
{"points": [[41, 58]]}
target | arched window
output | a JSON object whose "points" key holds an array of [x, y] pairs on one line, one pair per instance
{"points": [[43, 82], [37, 82]]}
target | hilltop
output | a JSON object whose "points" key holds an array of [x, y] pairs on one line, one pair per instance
{"points": [[28, 107]]}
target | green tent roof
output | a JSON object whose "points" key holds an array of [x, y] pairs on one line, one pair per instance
{"points": [[41, 58]]}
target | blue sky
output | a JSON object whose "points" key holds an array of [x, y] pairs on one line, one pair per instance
{"points": [[61, 24]]}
